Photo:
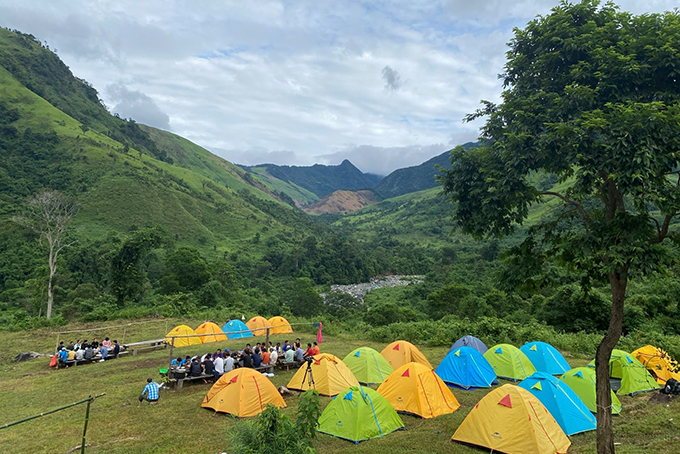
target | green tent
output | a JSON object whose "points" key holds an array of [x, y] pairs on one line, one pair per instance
{"points": [[358, 414], [509, 362], [581, 380], [368, 365], [633, 375]]}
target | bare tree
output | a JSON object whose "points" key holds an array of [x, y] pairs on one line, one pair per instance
{"points": [[48, 214]]}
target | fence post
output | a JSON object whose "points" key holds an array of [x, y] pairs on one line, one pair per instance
{"points": [[87, 418], [172, 348], [267, 341]]}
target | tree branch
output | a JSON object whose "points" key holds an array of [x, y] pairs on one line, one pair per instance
{"points": [[577, 206]]}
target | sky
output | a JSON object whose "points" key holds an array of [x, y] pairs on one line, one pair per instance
{"points": [[385, 84]]}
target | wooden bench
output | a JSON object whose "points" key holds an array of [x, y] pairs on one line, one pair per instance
{"points": [[95, 359], [136, 347], [178, 383], [293, 364], [268, 368]]}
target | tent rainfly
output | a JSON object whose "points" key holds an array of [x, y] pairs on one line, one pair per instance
{"points": [[401, 352], [581, 380], [633, 375], [545, 358], [368, 366], [182, 330], [279, 325], [210, 328], [331, 376], [242, 392], [466, 368], [236, 329], [469, 341], [509, 362], [258, 325]]}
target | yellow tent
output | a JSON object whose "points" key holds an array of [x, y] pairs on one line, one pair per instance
{"points": [[416, 389], [258, 325], [399, 353], [331, 376], [511, 420], [658, 362], [279, 325], [209, 328], [182, 330], [242, 392]]}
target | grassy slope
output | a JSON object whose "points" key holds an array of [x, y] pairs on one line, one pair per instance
{"points": [[133, 189], [179, 425], [296, 192]]}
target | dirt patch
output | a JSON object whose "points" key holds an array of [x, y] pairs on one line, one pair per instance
{"points": [[661, 398], [144, 363]]}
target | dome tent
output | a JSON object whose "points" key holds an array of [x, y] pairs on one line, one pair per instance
{"points": [[182, 330], [242, 392], [466, 368], [279, 325], [416, 389], [633, 375], [368, 366], [561, 401], [658, 363], [210, 328], [258, 325], [236, 329], [509, 362], [511, 420], [331, 376], [470, 341], [359, 414], [545, 358], [401, 352], [581, 380]]}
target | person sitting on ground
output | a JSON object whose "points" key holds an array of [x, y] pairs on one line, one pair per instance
{"points": [[257, 359], [116, 349], [247, 358], [299, 354], [80, 354], [310, 351], [106, 343], [60, 347], [208, 366], [89, 353], [104, 352], [195, 370], [286, 346], [273, 356], [266, 357], [70, 355], [289, 356], [150, 393], [228, 364], [94, 344], [316, 349], [218, 367]]}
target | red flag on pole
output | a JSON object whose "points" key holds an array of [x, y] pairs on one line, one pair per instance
{"points": [[319, 337]]}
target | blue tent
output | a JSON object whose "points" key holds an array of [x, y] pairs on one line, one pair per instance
{"points": [[466, 368], [469, 341], [232, 328], [546, 358], [561, 401]]}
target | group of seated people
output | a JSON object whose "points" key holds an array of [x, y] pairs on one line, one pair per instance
{"points": [[87, 351], [222, 361]]}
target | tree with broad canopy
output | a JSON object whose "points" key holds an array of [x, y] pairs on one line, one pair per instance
{"points": [[591, 95]]}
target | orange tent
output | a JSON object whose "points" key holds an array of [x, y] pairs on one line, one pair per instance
{"points": [[331, 376], [242, 392], [658, 362], [415, 388], [400, 352], [279, 325], [210, 328], [258, 325]]}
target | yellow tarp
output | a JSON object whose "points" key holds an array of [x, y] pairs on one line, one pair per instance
{"points": [[182, 330], [258, 325], [242, 392], [209, 328], [331, 376], [399, 353], [658, 362], [511, 420], [279, 325], [416, 389]]}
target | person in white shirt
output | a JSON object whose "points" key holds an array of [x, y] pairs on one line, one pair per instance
{"points": [[273, 356], [289, 356], [228, 364], [219, 366]]}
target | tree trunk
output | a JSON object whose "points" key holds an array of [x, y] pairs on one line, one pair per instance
{"points": [[605, 429], [52, 262]]}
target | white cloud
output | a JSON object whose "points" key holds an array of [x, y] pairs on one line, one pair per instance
{"points": [[255, 78], [136, 105]]}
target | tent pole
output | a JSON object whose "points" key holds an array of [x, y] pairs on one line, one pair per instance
{"points": [[87, 418]]}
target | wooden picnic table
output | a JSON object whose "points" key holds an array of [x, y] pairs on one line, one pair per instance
{"points": [[136, 347]]}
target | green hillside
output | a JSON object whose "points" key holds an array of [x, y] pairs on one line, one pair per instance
{"points": [[296, 192]]}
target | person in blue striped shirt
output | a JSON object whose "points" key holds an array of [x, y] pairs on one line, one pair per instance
{"points": [[150, 393]]}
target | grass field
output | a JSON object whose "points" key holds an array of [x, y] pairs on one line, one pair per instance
{"points": [[179, 425]]}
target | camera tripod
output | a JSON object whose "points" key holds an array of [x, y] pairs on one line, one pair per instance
{"points": [[309, 375]]}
